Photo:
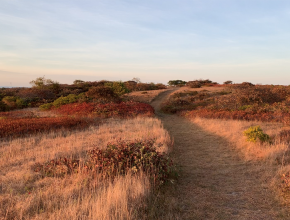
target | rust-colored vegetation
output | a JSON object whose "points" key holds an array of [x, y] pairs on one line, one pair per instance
{"points": [[239, 102], [26, 126], [123, 109]]}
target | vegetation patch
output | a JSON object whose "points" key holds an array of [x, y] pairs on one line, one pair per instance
{"points": [[116, 159], [239, 101], [239, 115], [123, 109], [256, 133], [25, 126]]}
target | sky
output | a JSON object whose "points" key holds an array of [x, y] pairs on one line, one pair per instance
{"points": [[154, 40]]}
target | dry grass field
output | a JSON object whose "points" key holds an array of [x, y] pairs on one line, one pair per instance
{"points": [[25, 194], [221, 175], [232, 130]]}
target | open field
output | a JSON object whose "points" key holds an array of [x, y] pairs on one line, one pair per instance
{"points": [[47, 157], [27, 195], [102, 154]]}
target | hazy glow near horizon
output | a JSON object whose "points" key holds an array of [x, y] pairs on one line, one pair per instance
{"points": [[153, 40]]}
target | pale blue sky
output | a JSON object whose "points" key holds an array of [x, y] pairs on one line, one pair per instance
{"points": [[157, 41]]}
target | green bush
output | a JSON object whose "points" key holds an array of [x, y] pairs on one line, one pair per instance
{"points": [[10, 101], [45, 107], [20, 103], [13, 102], [118, 87], [102, 94], [244, 107], [71, 98], [256, 133]]}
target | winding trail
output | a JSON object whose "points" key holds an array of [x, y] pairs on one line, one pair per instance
{"points": [[215, 183]]}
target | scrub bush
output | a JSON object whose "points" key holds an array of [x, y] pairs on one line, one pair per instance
{"points": [[256, 133], [117, 158]]}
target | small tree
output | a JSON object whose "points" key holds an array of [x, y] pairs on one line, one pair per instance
{"points": [[247, 84], [228, 82], [176, 82], [42, 82], [136, 79], [78, 81]]}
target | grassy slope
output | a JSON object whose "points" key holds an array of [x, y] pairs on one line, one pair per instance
{"points": [[25, 195]]}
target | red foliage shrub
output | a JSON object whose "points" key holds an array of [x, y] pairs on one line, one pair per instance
{"points": [[122, 157], [24, 126], [123, 109], [240, 115], [117, 159]]}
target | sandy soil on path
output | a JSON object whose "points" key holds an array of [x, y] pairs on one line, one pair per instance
{"points": [[216, 183]]}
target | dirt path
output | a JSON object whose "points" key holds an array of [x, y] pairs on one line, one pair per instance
{"points": [[215, 183]]}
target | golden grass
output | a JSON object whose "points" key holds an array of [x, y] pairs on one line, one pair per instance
{"points": [[24, 194], [144, 96], [232, 130]]}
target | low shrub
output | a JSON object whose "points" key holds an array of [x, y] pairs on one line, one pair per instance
{"points": [[194, 84], [46, 106], [118, 87], [239, 115], [256, 133], [26, 126], [116, 159], [123, 109], [71, 98], [13, 102], [103, 94], [183, 101], [122, 157]]}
